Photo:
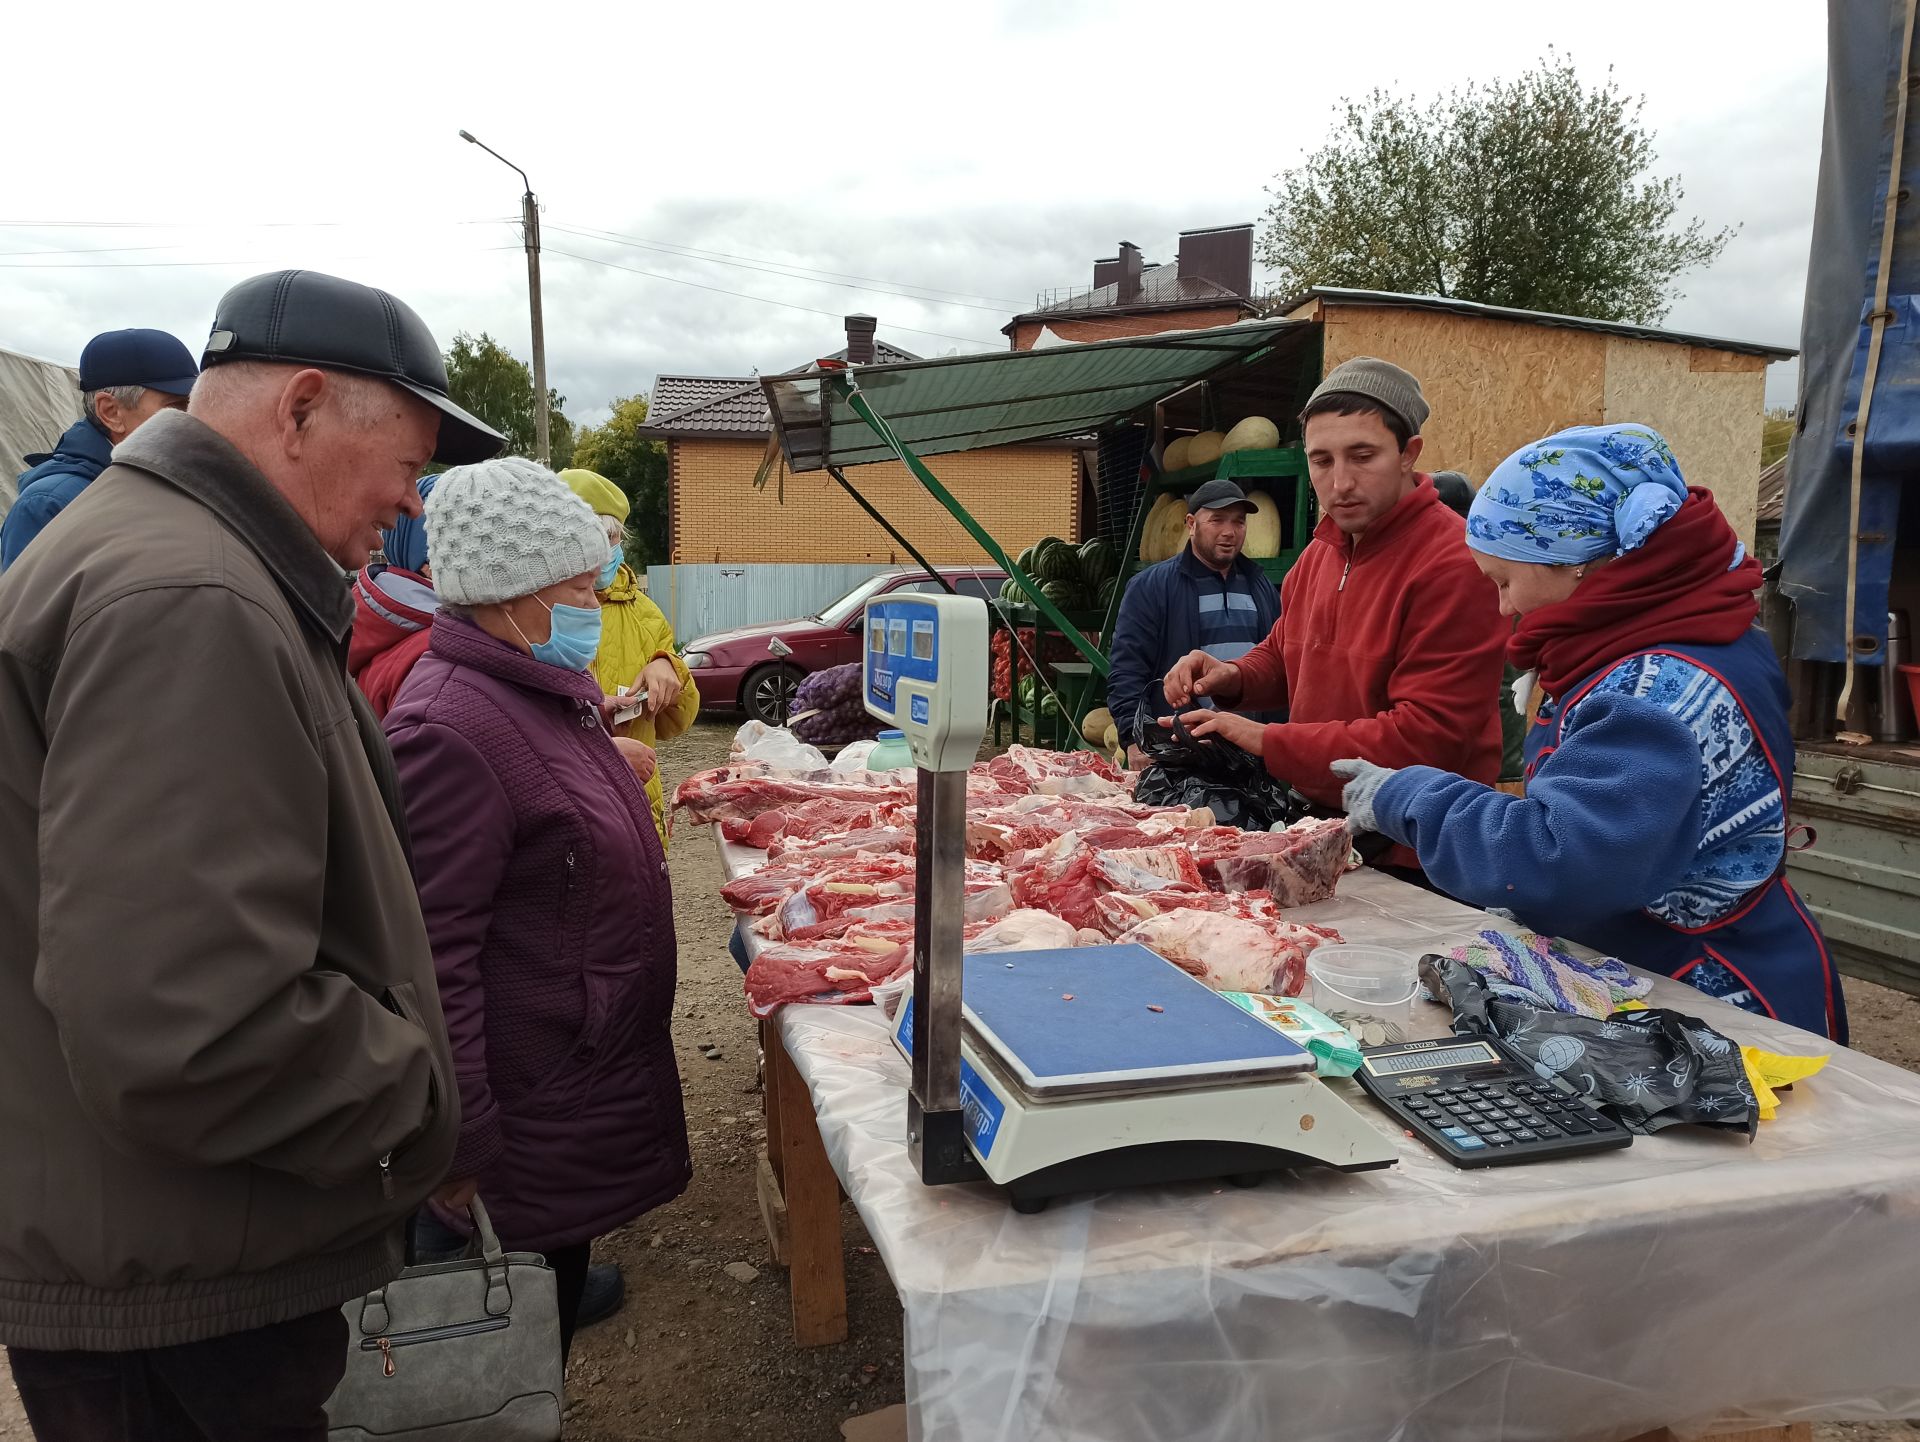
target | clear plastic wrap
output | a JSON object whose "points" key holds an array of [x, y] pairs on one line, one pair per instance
{"points": [[1691, 1279]]}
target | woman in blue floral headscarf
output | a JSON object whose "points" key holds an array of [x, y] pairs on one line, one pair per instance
{"points": [[1654, 825]]}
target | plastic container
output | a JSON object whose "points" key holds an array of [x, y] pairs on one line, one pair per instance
{"points": [[1369, 990], [890, 753]]}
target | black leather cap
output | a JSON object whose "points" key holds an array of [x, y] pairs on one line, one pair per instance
{"points": [[302, 317]]}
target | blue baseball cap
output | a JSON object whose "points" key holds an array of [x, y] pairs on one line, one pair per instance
{"points": [[149, 358]]}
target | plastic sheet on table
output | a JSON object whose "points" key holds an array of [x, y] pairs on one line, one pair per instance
{"points": [[1592, 1299]]}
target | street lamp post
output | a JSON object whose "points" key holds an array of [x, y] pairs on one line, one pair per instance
{"points": [[530, 228]]}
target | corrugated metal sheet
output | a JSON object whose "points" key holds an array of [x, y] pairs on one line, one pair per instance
{"points": [[701, 599]]}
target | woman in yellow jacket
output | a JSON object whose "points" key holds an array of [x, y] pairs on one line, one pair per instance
{"points": [[636, 643]]}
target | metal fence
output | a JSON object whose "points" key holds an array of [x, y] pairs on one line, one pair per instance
{"points": [[701, 599]]}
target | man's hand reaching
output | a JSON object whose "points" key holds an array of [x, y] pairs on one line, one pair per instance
{"points": [[1198, 674], [1242, 731]]}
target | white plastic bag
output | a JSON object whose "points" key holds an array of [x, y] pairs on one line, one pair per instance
{"points": [[777, 747]]}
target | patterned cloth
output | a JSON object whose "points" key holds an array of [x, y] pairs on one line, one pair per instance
{"points": [[1743, 814], [1581, 493], [1534, 968]]}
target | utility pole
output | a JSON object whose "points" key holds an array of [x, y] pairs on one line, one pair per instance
{"points": [[530, 230]]}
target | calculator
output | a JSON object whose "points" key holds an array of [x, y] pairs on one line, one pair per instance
{"points": [[1480, 1104]]}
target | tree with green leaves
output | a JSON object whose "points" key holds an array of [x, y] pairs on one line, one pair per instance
{"points": [[636, 466], [1536, 192], [485, 378]]}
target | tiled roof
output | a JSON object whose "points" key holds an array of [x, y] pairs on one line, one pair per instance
{"points": [[1162, 285], [1773, 493], [731, 404]]}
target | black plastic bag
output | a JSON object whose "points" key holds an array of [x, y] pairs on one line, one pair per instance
{"points": [[1210, 771], [1652, 1067], [1189, 770]]}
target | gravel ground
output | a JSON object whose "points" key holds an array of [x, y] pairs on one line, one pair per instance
{"points": [[702, 1353]]}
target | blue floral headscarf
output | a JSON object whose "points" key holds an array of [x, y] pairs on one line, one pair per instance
{"points": [[405, 545], [1582, 493]]}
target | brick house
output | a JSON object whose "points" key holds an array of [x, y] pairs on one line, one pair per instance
{"points": [[1209, 283], [716, 428]]}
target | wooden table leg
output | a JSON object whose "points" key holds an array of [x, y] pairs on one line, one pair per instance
{"points": [[816, 1256]]}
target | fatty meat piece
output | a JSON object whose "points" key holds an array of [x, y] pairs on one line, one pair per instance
{"points": [[1025, 930], [875, 840], [1025, 768], [758, 892], [1230, 953]]}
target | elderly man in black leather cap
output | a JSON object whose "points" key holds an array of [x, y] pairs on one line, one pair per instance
{"points": [[224, 1076]]}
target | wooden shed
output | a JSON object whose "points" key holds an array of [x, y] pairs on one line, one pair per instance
{"points": [[1498, 378]]}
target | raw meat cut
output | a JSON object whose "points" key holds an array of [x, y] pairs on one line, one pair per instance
{"points": [[759, 892], [820, 816], [878, 840], [1229, 953], [834, 973], [743, 792], [1025, 769], [1298, 866]]}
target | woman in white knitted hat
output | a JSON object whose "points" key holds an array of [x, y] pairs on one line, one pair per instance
{"points": [[541, 878]]}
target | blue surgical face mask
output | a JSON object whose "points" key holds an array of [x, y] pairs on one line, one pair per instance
{"points": [[608, 572], [573, 641]]}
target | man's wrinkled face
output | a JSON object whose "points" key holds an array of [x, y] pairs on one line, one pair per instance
{"points": [[122, 421], [1218, 535], [362, 469], [1358, 470]]}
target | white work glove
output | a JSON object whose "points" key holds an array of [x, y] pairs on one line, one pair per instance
{"points": [[1363, 784]]}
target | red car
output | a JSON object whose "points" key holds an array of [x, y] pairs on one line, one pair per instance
{"points": [[758, 668]]}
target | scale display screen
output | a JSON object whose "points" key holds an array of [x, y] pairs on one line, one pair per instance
{"points": [[903, 644], [1441, 1058]]}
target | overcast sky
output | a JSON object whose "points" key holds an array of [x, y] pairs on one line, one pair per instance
{"points": [[967, 155]]}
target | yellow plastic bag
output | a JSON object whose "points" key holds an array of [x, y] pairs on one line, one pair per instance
{"points": [[1769, 1070]]}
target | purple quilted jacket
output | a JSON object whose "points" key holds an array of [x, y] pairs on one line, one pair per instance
{"points": [[546, 899]]}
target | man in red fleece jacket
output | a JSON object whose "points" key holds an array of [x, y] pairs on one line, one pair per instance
{"points": [[1389, 642]]}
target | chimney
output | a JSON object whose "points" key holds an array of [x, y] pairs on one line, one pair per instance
{"points": [[1129, 277], [1223, 255], [1106, 272], [860, 330]]}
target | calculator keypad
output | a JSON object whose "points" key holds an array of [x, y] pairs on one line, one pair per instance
{"points": [[1481, 1116]]}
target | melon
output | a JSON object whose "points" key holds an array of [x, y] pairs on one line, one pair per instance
{"points": [[1165, 531], [1255, 433], [1098, 721], [1263, 527], [1175, 456], [1204, 449]]}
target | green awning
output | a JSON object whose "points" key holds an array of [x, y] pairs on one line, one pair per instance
{"points": [[962, 403]]}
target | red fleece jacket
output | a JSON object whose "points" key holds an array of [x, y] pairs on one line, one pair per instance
{"points": [[1388, 649]]}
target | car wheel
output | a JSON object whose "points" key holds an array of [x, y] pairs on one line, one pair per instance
{"points": [[768, 693]]}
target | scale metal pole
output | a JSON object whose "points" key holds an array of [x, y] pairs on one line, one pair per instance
{"points": [[936, 1120]]}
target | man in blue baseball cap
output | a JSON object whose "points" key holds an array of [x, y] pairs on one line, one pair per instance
{"points": [[126, 376]]}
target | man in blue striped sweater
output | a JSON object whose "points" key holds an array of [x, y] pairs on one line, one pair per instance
{"points": [[1209, 598]]}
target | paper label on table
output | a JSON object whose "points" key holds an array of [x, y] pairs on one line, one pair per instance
{"points": [[983, 1111]]}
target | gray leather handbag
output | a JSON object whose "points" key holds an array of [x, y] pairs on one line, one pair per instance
{"points": [[466, 1349]]}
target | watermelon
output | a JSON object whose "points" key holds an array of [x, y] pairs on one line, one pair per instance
{"points": [[1067, 595], [1055, 560], [1025, 559], [1098, 561], [1105, 596]]}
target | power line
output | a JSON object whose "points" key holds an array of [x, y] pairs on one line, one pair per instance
{"points": [[723, 257], [225, 225], [762, 299]]}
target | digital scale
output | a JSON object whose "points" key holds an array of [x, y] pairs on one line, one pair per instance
{"points": [[1082, 1069]]}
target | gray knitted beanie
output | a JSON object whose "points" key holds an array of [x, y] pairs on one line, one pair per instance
{"points": [[505, 528]]}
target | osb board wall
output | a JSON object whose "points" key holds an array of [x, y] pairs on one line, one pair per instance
{"points": [[1492, 385], [1707, 403], [1495, 385], [1018, 493]]}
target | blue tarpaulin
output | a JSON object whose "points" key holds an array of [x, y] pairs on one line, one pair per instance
{"points": [[1867, 66]]}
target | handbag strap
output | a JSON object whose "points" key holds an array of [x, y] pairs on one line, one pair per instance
{"points": [[499, 1283]]}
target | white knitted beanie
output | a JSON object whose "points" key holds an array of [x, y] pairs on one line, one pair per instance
{"points": [[506, 528]]}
